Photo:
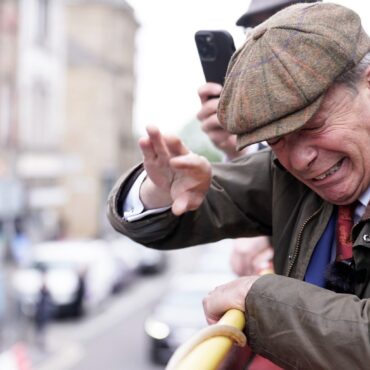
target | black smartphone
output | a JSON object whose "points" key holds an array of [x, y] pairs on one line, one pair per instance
{"points": [[215, 49]]}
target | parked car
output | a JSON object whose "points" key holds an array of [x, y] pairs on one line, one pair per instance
{"points": [[144, 260], [62, 284], [65, 265], [179, 313]]}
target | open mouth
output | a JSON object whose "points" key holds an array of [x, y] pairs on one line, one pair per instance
{"points": [[329, 172]]}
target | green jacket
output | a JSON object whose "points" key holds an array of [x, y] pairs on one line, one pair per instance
{"points": [[293, 323]]}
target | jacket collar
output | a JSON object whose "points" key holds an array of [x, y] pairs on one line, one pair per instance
{"points": [[277, 162]]}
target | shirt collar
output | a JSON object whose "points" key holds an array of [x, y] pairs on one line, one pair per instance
{"points": [[362, 204], [365, 197]]}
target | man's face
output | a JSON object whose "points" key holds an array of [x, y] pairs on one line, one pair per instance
{"points": [[331, 152]]}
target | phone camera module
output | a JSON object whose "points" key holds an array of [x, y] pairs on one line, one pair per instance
{"points": [[206, 47]]}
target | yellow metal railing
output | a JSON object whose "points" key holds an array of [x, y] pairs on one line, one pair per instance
{"points": [[209, 354]]}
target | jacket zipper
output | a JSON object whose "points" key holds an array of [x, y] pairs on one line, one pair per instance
{"points": [[299, 239]]}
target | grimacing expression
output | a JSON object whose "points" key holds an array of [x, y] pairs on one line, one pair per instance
{"points": [[331, 152]]}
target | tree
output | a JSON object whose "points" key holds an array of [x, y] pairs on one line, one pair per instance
{"points": [[198, 142]]}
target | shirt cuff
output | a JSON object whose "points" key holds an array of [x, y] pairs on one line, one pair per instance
{"points": [[133, 208]]}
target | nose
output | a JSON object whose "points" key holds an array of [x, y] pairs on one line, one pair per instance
{"points": [[301, 153]]}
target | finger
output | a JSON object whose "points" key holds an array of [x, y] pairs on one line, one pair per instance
{"points": [[209, 89], [211, 317], [175, 146], [219, 137], [196, 165], [157, 141], [208, 108], [246, 266], [212, 124], [263, 260], [147, 148]]}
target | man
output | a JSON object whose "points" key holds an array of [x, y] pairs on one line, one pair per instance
{"points": [[301, 82], [249, 255]]}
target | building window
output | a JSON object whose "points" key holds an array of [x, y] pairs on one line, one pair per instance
{"points": [[43, 21]]}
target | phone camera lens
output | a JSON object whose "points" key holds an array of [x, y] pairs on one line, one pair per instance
{"points": [[206, 47]]}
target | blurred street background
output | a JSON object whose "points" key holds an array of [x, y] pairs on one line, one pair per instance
{"points": [[79, 81]]}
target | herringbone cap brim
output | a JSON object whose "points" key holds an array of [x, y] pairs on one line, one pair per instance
{"points": [[276, 81]]}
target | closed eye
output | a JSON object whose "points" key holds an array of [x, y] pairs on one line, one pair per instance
{"points": [[311, 128], [274, 140]]}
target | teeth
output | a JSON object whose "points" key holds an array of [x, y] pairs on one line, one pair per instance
{"points": [[329, 172]]}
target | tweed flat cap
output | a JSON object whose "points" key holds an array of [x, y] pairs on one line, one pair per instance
{"points": [[276, 81], [259, 10]]}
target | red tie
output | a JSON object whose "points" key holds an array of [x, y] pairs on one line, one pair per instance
{"points": [[344, 227]]}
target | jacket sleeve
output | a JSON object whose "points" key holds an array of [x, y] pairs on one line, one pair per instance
{"points": [[237, 204], [301, 326]]}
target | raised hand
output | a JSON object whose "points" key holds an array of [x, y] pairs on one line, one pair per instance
{"points": [[175, 175]]}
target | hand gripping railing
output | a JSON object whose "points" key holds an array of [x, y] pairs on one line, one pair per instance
{"points": [[209, 347]]}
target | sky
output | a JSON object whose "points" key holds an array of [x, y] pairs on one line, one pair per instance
{"points": [[168, 70]]}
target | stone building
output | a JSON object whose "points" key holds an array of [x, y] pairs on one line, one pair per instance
{"points": [[66, 94], [12, 195], [98, 107], [40, 116]]}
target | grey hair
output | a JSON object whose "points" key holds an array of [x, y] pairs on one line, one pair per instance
{"points": [[354, 75]]}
